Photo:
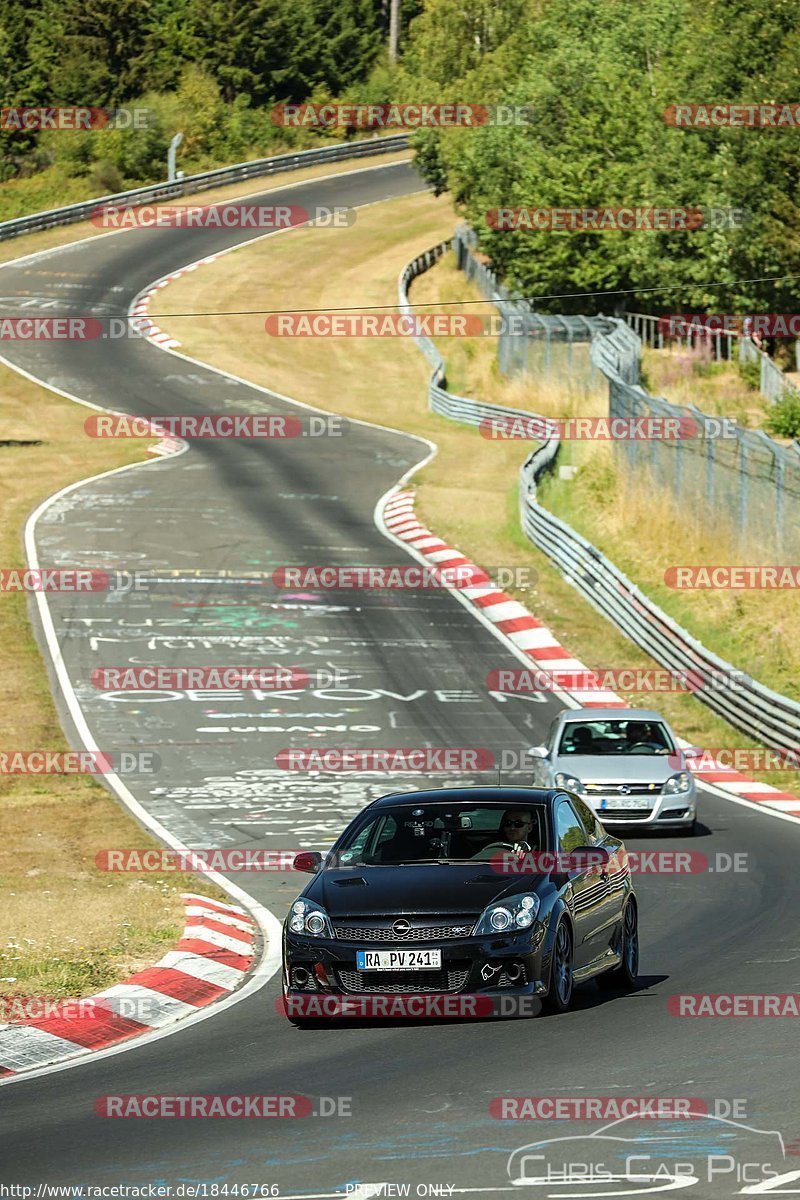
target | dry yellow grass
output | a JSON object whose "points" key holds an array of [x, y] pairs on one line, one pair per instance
{"points": [[687, 376], [385, 380], [66, 928], [472, 368]]}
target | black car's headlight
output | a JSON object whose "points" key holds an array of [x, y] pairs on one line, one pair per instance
{"points": [[508, 916], [311, 919], [570, 782], [677, 785]]}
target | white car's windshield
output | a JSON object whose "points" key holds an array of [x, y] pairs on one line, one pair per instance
{"points": [[615, 737]]}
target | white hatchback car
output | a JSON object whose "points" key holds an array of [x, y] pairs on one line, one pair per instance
{"points": [[625, 763]]}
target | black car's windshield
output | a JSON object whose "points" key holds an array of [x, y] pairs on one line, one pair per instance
{"points": [[438, 833], [615, 737]]}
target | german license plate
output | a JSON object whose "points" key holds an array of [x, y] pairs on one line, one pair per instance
{"points": [[625, 802], [398, 960]]}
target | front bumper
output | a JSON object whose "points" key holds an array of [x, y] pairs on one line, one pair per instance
{"points": [[513, 964], [674, 811]]}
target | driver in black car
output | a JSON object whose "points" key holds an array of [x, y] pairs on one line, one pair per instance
{"points": [[516, 829], [516, 826]]}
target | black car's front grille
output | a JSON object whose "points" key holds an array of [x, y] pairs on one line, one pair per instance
{"points": [[422, 933], [451, 979]]}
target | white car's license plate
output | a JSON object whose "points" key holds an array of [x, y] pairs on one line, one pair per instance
{"points": [[398, 960], [625, 802]]}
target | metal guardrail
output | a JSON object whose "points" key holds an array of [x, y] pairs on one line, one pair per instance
{"points": [[457, 408], [530, 340], [748, 480], [71, 213], [737, 697]]}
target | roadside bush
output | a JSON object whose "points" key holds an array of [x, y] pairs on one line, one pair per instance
{"points": [[784, 417]]}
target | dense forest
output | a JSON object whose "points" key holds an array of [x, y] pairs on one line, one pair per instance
{"points": [[213, 69], [597, 77]]}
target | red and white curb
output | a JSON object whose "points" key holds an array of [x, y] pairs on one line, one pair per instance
{"points": [[211, 960], [166, 447], [140, 308], [538, 643]]}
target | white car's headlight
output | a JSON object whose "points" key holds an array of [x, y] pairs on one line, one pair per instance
{"points": [[677, 784], [507, 916], [309, 918], [570, 782]]}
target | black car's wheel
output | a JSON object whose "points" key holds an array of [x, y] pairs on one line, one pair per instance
{"points": [[562, 983], [625, 975]]}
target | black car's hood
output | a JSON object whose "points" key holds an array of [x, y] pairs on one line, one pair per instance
{"points": [[392, 890]]}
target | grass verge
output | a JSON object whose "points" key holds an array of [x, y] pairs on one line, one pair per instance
{"points": [[66, 928], [384, 380], [691, 376]]}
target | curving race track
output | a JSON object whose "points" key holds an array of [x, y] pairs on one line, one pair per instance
{"points": [[416, 661]]}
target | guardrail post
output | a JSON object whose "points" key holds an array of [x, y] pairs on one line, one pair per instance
{"points": [[171, 153], [779, 504], [744, 485]]}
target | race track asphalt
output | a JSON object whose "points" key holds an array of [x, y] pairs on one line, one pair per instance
{"points": [[202, 525]]}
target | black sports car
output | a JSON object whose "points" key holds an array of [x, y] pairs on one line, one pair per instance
{"points": [[458, 891]]}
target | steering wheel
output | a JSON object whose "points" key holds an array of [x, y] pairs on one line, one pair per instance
{"points": [[642, 747], [484, 851]]}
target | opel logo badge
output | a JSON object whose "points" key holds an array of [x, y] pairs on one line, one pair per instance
{"points": [[624, 790], [401, 928]]}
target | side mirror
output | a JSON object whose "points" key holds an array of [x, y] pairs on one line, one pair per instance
{"points": [[693, 752], [588, 857], [538, 752], [309, 861]]}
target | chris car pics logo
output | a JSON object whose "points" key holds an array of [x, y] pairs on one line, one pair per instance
{"points": [[629, 1157]]}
